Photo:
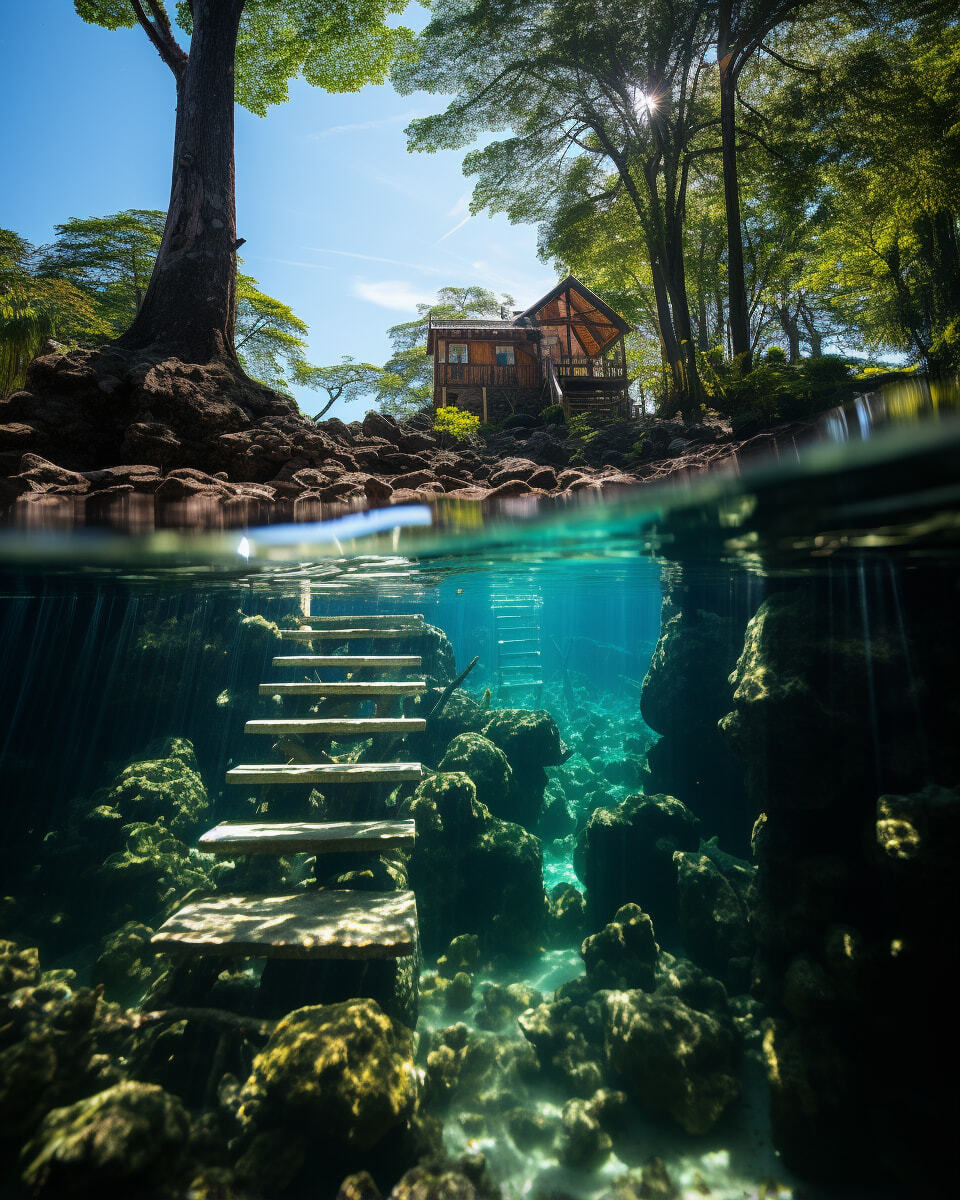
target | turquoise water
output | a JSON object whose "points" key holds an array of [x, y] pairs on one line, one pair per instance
{"points": [[730, 705]]}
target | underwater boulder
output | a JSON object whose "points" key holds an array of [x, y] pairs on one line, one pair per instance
{"points": [[126, 963], [501, 1005], [487, 766], [346, 1069], [19, 967], [438, 662], [624, 953], [473, 873], [625, 854], [584, 1143], [127, 1140], [566, 1033], [713, 918], [672, 1060], [423, 1183], [166, 789], [460, 714], [566, 915], [531, 741]]}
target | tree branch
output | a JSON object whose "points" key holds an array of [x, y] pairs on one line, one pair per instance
{"points": [[788, 62], [161, 35]]}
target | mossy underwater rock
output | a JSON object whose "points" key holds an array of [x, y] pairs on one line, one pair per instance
{"points": [[19, 967], [471, 872], [487, 766], [531, 741], [625, 854], [343, 1070], [714, 914], [125, 1141], [166, 789], [671, 1059], [624, 953], [126, 963]]}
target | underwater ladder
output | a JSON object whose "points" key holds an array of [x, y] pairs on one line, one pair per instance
{"points": [[329, 924], [516, 605]]}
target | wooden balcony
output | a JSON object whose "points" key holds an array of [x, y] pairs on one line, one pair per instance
{"points": [[594, 369], [486, 375]]}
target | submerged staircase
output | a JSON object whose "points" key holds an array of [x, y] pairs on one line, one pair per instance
{"points": [[516, 608], [325, 924]]}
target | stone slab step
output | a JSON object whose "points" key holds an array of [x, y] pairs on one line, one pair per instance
{"points": [[406, 687], [349, 661], [520, 683], [337, 726], [401, 772], [368, 620], [351, 634], [328, 924], [305, 837]]}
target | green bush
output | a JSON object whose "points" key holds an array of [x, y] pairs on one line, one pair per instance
{"points": [[776, 391], [775, 354], [456, 421], [552, 414]]}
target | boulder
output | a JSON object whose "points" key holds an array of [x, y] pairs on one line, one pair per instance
{"points": [[125, 1141], [531, 741], [345, 1069], [624, 953], [487, 766], [626, 854], [671, 1059]]}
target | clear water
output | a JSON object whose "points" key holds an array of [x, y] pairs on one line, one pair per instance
{"points": [[110, 645]]}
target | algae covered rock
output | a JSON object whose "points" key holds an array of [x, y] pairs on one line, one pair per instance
{"points": [[167, 789], [127, 1140], [127, 963], [671, 1059], [531, 741], [487, 766], [713, 917], [500, 1006], [626, 854], [346, 1069], [18, 967], [624, 953], [473, 873]]}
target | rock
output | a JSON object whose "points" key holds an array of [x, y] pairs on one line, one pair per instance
{"points": [[472, 871], [344, 1068], [419, 1183], [624, 953], [626, 854], [671, 1059], [167, 789], [513, 487], [377, 424], [459, 993], [487, 766], [127, 963], [713, 918], [585, 1145], [500, 1006], [127, 1140], [19, 968], [531, 742], [528, 1129], [568, 915]]}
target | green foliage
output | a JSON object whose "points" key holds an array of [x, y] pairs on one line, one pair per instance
{"points": [[33, 309], [405, 384], [346, 380], [552, 414], [776, 391], [339, 45], [456, 421]]}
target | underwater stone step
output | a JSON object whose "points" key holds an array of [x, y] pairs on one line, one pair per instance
{"points": [[520, 683], [352, 661], [371, 620], [305, 837], [330, 924], [401, 772], [338, 726], [518, 642], [406, 687], [346, 635]]}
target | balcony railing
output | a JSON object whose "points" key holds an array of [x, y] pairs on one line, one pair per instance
{"points": [[581, 367], [487, 375]]}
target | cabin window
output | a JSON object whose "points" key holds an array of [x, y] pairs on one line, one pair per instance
{"points": [[453, 399], [457, 352], [505, 356]]}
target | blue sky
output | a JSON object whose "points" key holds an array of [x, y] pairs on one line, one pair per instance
{"points": [[340, 221]]}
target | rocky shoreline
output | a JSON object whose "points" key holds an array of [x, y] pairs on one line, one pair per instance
{"points": [[148, 430]]}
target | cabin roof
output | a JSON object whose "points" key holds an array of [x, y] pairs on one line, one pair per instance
{"points": [[597, 325]]}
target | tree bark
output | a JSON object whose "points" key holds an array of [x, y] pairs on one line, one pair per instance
{"points": [[189, 309], [737, 309]]}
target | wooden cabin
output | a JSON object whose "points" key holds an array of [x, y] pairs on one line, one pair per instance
{"points": [[566, 349]]}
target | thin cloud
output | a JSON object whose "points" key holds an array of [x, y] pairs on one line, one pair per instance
{"points": [[459, 225], [363, 126], [290, 262], [393, 262], [462, 206], [391, 293]]}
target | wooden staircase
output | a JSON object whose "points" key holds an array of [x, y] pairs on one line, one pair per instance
{"points": [[516, 607], [325, 924]]}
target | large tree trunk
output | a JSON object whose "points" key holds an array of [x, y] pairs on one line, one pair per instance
{"points": [[738, 311], [190, 305]]}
